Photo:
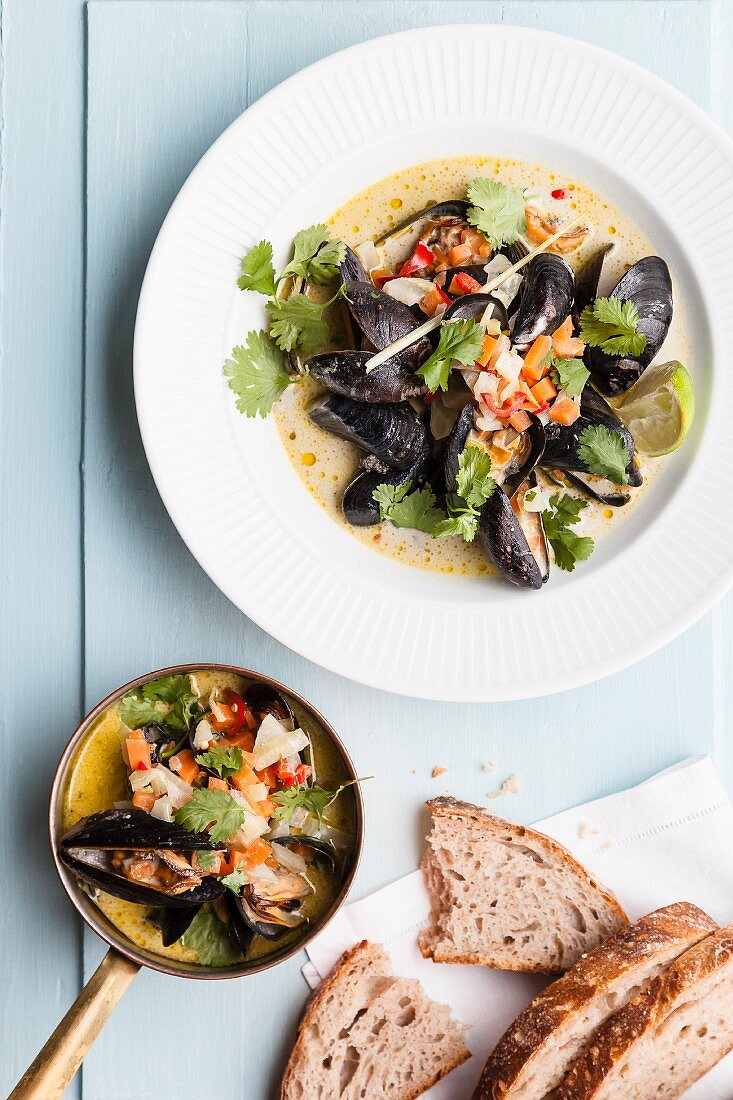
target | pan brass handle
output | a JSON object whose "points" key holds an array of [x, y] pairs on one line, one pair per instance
{"points": [[49, 1074]]}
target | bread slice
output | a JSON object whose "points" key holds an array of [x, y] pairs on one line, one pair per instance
{"points": [[367, 1033], [535, 1053], [664, 1040], [503, 895]]}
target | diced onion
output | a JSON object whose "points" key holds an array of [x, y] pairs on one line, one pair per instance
{"points": [[253, 826], [157, 783], [256, 793], [203, 736], [177, 789], [262, 873], [298, 817], [162, 809], [275, 742], [278, 830], [408, 290], [369, 255], [288, 859], [508, 289], [140, 779]]}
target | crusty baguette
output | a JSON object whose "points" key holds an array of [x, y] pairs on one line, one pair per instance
{"points": [[662, 1042], [537, 1050], [506, 896], [369, 1033]]}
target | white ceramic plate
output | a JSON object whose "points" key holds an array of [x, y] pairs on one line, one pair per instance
{"points": [[290, 160]]}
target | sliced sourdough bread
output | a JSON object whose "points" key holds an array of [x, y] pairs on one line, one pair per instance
{"points": [[367, 1033], [506, 896], [535, 1053], [662, 1042]]}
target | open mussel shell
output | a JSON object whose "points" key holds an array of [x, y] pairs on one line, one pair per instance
{"points": [[344, 372], [383, 320], [471, 307], [451, 208], [395, 434], [352, 269], [503, 540], [324, 852], [358, 504], [94, 867], [528, 455], [456, 444], [547, 298], [648, 285], [249, 917], [174, 922], [588, 278], [562, 442], [262, 699]]}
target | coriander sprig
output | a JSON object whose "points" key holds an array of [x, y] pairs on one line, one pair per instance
{"points": [[605, 453], [313, 799], [611, 325], [497, 210], [402, 508], [459, 340], [568, 547], [474, 487]]}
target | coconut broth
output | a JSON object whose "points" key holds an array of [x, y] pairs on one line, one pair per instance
{"points": [[326, 464], [97, 778]]}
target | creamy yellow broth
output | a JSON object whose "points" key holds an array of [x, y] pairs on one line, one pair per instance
{"points": [[97, 779], [326, 464]]}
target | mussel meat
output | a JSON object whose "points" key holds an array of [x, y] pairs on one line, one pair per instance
{"points": [[447, 213], [394, 433], [358, 504], [547, 298], [269, 908], [344, 372], [562, 442], [383, 320], [134, 856], [648, 285]]}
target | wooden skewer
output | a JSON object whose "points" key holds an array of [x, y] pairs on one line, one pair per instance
{"points": [[410, 338]]}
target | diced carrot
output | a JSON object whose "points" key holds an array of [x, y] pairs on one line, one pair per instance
{"points": [[233, 857], [266, 807], [519, 421], [185, 766], [485, 251], [474, 239], [380, 276], [564, 343], [268, 776], [138, 753], [459, 254], [534, 367], [244, 778], [433, 300], [216, 784], [136, 735], [564, 411], [245, 741], [143, 800], [258, 851], [488, 347], [543, 390]]}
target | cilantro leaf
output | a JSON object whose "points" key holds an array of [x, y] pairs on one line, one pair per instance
{"points": [[208, 937], [205, 859], [611, 325], [313, 799], [460, 521], [299, 321], [135, 712], [214, 808], [167, 701], [405, 509], [235, 881], [472, 479], [604, 453], [257, 374], [258, 272], [567, 546], [497, 210], [459, 340], [570, 374], [316, 257], [167, 689], [226, 760]]}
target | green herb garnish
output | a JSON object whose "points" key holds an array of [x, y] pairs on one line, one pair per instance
{"points": [[211, 808], [258, 273], [403, 508], [497, 211], [298, 322], [235, 881], [205, 859], [611, 325], [459, 340], [167, 702], [225, 760], [316, 258], [257, 374], [558, 519], [313, 799], [208, 937], [475, 486], [604, 453], [570, 375]]}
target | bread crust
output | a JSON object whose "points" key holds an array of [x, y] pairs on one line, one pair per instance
{"points": [[533, 1030], [362, 956], [627, 1026], [447, 806]]}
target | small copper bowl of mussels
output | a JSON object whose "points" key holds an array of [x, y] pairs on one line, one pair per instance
{"points": [[206, 821]]}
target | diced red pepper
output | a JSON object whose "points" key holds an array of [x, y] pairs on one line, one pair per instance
{"points": [[463, 283], [293, 777], [558, 193], [233, 713], [421, 258], [508, 408]]}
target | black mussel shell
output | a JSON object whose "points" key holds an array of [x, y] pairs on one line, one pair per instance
{"points": [[344, 372], [594, 487], [561, 442], [473, 306], [324, 852], [649, 285], [92, 865], [383, 320], [451, 208], [262, 699], [504, 542], [352, 269], [514, 252], [246, 918], [174, 922], [239, 929], [394, 433], [358, 504], [547, 298], [588, 278], [456, 444], [136, 830], [529, 455]]}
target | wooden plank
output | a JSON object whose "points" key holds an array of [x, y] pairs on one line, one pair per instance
{"points": [[164, 79], [41, 281]]}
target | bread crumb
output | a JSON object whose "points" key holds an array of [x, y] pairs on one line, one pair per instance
{"points": [[439, 771], [509, 786], [584, 830], [489, 766]]}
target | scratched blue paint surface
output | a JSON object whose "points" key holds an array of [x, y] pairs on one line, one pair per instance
{"points": [[105, 109]]}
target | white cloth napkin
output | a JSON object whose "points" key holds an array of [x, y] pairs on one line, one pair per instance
{"points": [[669, 839]]}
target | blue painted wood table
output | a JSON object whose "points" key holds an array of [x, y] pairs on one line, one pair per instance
{"points": [[106, 108]]}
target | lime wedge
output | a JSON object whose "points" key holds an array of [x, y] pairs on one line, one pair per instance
{"points": [[659, 409]]}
